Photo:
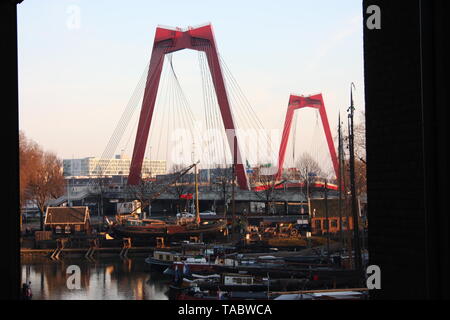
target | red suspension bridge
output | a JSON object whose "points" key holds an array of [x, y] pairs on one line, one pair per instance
{"points": [[227, 114]]}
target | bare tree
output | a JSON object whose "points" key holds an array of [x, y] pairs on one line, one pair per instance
{"points": [[144, 191], [308, 169], [224, 181], [46, 182], [360, 175], [266, 189], [360, 156], [360, 139], [101, 183]]}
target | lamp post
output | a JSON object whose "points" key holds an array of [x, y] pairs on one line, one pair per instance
{"points": [[358, 262]]}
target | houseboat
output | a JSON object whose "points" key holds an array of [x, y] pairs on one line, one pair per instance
{"points": [[161, 260], [217, 287]]}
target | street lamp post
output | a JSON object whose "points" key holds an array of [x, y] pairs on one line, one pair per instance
{"points": [[358, 262]]}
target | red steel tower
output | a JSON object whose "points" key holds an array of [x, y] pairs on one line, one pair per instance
{"points": [[296, 103], [166, 41]]}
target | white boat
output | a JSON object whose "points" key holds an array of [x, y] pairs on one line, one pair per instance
{"points": [[208, 213], [331, 295]]}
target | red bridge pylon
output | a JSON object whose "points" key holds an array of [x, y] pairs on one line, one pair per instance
{"points": [[296, 103], [168, 41]]}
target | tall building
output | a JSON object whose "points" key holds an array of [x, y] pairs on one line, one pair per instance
{"points": [[120, 165]]}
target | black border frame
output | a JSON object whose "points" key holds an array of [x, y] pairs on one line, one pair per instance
{"points": [[406, 63]]}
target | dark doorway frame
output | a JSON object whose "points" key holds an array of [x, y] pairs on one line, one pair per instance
{"points": [[406, 62]]}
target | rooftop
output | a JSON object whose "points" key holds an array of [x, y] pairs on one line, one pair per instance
{"points": [[66, 215]]}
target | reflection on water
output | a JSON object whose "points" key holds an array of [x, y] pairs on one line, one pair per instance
{"points": [[105, 279]]}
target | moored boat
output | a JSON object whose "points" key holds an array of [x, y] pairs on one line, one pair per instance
{"points": [[144, 229], [161, 260], [184, 227], [219, 287]]}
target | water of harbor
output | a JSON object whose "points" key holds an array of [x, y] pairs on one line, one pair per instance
{"points": [[102, 279]]}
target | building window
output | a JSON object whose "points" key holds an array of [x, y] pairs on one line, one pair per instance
{"points": [[334, 223], [77, 228], [58, 229], [344, 223], [67, 229], [318, 224]]}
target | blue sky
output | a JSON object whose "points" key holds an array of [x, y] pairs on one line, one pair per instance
{"points": [[75, 83]]}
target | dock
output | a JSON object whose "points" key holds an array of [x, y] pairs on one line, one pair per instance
{"points": [[81, 252]]}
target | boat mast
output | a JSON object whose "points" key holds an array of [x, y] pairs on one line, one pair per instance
{"points": [[233, 187], [197, 209], [327, 220]]}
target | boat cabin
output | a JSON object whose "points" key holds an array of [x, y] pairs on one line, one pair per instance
{"points": [[236, 279], [144, 222], [167, 256], [182, 221], [193, 249], [196, 260]]}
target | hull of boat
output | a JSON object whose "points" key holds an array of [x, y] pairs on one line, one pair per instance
{"points": [[183, 294], [195, 267], [174, 232], [158, 265]]}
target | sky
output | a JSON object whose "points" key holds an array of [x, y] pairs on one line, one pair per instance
{"points": [[79, 61]]}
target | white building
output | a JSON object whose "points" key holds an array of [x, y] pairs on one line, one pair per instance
{"points": [[120, 165]]}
